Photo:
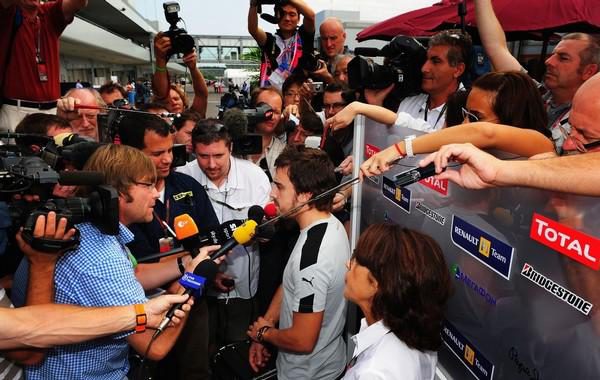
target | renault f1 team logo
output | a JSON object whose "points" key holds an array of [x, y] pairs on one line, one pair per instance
{"points": [[556, 289], [399, 195], [571, 243], [491, 252], [466, 352]]}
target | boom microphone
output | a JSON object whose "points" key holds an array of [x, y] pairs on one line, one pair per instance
{"points": [[236, 122], [81, 178]]}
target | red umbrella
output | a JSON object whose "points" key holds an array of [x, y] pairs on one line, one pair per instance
{"points": [[546, 16]]}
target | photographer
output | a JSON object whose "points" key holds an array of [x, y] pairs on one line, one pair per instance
{"points": [[281, 52], [167, 93], [447, 59]]}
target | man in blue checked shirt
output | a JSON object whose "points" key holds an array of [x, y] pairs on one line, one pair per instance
{"points": [[100, 273]]}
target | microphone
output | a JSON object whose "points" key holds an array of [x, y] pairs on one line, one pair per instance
{"points": [[80, 178], [367, 51], [414, 175], [79, 152], [256, 213], [69, 138], [270, 210], [236, 122], [207, 270], [187, 233], [241, 235]]}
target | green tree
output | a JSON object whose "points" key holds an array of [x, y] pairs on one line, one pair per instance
{"points": [[253, 54]]}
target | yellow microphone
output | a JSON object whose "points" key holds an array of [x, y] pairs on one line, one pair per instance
{"points": [[241, 235]]}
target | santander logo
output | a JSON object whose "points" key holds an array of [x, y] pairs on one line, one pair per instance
{"points": [[572, 243]]}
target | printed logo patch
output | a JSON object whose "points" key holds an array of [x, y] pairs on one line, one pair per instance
{"points": [[492, 252], [466, 352], [399, 195]]}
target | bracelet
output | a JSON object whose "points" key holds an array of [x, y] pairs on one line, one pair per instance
{"points": [[408, 145], [260, 333], [159, 69], [397, 146], [180, 265], [140, 318]]}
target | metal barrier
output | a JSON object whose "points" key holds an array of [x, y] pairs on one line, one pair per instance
{"points": [[525, 267]]}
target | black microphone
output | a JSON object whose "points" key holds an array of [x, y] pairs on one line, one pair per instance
{"points": [[207, 269], [414, 175], [236, 122], [241, 235], [81, 178], [256, 213], [186, 232]]}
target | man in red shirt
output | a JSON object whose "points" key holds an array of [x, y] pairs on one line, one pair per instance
{"points": [[29, 58]]}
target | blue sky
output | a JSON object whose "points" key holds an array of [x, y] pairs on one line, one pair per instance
{"points": [[228, 17]]}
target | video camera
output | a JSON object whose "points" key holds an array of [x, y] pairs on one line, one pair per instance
{"points": [[181, 42], [404, 57], [241, 125], [22, 171]]}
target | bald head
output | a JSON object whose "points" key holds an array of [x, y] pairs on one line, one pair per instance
{"points": [[583, 117], [333, 37]]}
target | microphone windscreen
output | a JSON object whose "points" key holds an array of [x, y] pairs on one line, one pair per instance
{"points": [[207, 269], [78, 153], [185, 227], [81, 178], [270, 210], [367, 51], [236, 122], [69, 138], [244, 233], [256, 213]]}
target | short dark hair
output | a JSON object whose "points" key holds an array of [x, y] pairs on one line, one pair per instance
{"points": [[110, 87], [39, 123], [348, 95], [591, 54], [459, 44], [310, 121], [208, 131], [297, 78], [517, 100], [413, 282], [187, 115], [133, 127], [310, 171]]}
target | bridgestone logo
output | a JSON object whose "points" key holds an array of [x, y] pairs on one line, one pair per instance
{"points": [[557, 290], [431, 214]]}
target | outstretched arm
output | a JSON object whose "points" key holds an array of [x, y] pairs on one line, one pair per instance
{"points": [[493, 38], [255, 31], [308, 13]]}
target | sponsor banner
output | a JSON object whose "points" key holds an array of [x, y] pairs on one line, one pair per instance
{"points": [[556, 289], [370, 150], [467, 353], [492, 252], [441, 186], [399, 195], [436, 217], [572, 243], [464, 278]]}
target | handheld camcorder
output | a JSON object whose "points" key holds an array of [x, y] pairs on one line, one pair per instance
{"points": [[181, 42], [404, 57]]}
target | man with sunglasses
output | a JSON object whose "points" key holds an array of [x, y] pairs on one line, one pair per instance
{"points": [[281, 53], [233, 186]]}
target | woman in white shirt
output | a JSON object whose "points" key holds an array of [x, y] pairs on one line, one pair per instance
{"points": [[400, 281]]}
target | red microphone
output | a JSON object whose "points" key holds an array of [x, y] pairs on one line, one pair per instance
{"points": [[270, 210]]}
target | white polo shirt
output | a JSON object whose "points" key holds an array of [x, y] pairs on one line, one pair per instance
{"points": [[426, 120], [246, 185], [380, 355]]}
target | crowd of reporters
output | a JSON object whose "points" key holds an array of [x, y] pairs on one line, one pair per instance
{"points": [[281, 293]]}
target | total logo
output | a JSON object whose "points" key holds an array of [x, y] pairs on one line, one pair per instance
{"points": [[464, 278], [371, 150], [441, 186], [572, 243]]}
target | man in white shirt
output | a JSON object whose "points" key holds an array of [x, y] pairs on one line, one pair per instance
{"points": [[447, 60], [233, 186], [309, 306]]}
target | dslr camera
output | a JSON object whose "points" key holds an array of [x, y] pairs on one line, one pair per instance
{"points": [[404, 57], [181, 42]]}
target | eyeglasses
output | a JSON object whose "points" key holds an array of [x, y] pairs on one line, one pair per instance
{"points": [[468, 115], [576, 138], [334, 106], [147, 185]]}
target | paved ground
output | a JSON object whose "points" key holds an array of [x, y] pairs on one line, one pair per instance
{"points": [[213, 102]]}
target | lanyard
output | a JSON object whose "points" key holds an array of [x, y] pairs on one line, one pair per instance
{"points": [[162, 222], [439, 116], [38, 41]]}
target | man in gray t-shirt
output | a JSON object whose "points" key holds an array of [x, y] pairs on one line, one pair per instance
{"points": [[309, 305]]}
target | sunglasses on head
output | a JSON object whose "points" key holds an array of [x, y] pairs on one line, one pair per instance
{"points": [[469, 115]]}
